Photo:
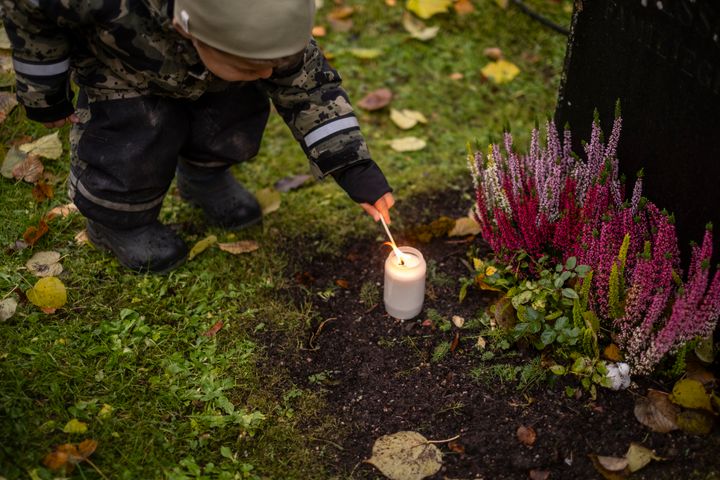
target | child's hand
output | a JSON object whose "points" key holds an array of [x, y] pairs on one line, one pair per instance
{"points": [[59, 123], [381, 207]]}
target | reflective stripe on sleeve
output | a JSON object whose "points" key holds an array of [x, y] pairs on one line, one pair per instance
{"points": [[121, 207], [41, 69], [329, 129]]}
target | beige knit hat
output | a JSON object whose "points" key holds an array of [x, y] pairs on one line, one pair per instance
{"points": [[256, 29]]}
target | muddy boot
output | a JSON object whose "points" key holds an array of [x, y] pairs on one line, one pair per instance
{"points": [[224, 201], [150, 248]]}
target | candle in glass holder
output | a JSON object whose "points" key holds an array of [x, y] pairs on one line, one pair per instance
{"points": [[404, 283]]}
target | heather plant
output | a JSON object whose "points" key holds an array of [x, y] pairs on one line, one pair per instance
{"points": [[552, 203]]}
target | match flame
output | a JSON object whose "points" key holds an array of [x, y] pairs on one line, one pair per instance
{"points": [[398, 254]]}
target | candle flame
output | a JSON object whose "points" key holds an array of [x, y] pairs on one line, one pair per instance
{"points": [[398, 254]]}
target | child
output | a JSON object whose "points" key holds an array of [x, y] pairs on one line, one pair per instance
{"points": [[181, 87]]}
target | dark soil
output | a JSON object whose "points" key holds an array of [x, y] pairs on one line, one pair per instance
{"points": [[378, 377]]}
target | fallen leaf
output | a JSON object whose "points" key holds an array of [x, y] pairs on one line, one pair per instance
{"points": [[695, 422], [201, 246], [526, 435], [67, 455], [500, 71], [456, 76], [13, 157], [613, 464], [405, 455], [81, 238], [341, 12], [695, 371], [75, 426], [407, 144], [376, 99], [33, 233], [4, 40], [704, 350], [639, 456], [62, 211], [241, 246], [691, 394], [612, 353], [8, 307], [539, 474], [269, 200], [292, 182], [29, 170], [42, 191], [365, 53], [406, 119], [464, 7], [455, 342], [45, 264], [417, 29], [319, 31], [48, 292], [493, 53], [48, 146], [427, 8], [214, 329], [8, 101], [464, 226], [344, 284], [458, 321], [504, 313], [456, 447], [481, 343], [657, 412], [105, 412]]}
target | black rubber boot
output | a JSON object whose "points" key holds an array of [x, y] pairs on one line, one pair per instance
{"points": [[224, 201], [150, 248]]}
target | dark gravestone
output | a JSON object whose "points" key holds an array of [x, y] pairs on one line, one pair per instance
{"points": [[661, 59]]}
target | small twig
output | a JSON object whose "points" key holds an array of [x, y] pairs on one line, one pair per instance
{"points": [[339, 447], [10, 292], [317, 332], [444, 441], [96, 469]]}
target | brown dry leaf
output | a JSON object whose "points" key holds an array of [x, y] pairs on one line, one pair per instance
{"points": [[458, 321], [62, 211], [319, 31], [493, 53], [81, 238], [212, 331], [539, 474], [45, 264], [341, 12], [657, 412], [67, 455], [8, 101], [376, 99], [526, 435], [464, 7], [390, 3], [504, 313], [696, 371], [612, 353], [29, 170], [695, 422], [42, 191], [344, 284], [241, 246], [456, 447], [455, 342], [33, 234]]}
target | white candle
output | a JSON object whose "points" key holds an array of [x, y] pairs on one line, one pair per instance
{"points": [[404, 283]]}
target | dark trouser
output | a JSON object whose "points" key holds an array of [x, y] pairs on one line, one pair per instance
{"points": [[125, 152]]}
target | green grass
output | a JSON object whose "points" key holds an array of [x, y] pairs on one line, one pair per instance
{"points": [[185, 405]]}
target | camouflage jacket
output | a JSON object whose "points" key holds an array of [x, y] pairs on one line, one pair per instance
{"points": [[123, 48]]}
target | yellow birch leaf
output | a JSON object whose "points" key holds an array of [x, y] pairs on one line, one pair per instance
{"points": [[269, 200], [406, 119], [365, 53], [417, 29], [48, 292], [48, 146], [75, 426], [105, 411], [241, 246], [201, 246], [690, 394], [408, 144], [639, 456], [500, 71], [427, 8]]}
